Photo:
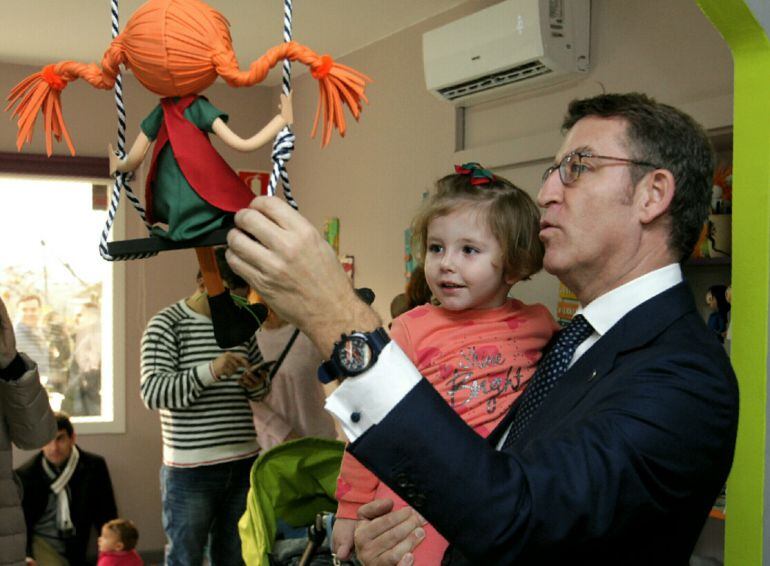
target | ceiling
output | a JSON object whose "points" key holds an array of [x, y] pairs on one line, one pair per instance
{"points": [[47, 31]]}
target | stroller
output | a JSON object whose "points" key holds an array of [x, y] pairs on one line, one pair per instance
{"points": [[293, 482]]}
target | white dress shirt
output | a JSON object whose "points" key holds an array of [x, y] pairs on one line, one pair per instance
{"points": [[363, 401]]}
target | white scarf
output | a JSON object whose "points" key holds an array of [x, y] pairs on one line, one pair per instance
{"points": [[59, 487]]}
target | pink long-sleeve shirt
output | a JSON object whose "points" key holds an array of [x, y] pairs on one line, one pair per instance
{"points": [[479, 361], [295, 402], [120, 558]]}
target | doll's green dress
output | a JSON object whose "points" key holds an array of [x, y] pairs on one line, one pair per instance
{"points": [[171, 199]]}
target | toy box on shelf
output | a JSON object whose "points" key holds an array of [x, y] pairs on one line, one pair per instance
{"points": [[567, 305], [710, 263]]}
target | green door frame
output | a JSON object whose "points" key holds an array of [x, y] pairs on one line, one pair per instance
{"points": [[751, 285]]}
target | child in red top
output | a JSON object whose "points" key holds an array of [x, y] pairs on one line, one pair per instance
{"points": [[116, 544], [476, 237]]}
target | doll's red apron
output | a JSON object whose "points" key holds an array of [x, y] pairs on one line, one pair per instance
{"points": [[205, 170]]}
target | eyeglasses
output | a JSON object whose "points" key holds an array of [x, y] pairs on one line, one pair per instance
{"points": [[571, 165]]}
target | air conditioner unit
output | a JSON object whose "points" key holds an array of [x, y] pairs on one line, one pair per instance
{"points": [[509, 47]]}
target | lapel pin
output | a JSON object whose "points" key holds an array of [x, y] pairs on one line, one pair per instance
{"points": [[593, 376]]}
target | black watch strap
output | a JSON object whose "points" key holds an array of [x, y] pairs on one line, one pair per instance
{"points": [[327, 372], [330, 370]]}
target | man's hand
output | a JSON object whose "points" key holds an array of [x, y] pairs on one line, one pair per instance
{"points": [[227, 363], [284, 257], [385, 537], [7, 338]]}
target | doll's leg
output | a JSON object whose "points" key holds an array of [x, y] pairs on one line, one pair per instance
{"points": [[233, 325], [211, 277]]}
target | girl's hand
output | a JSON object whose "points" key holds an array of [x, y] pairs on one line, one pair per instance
{"points": [[342, 538], [287, 111]]}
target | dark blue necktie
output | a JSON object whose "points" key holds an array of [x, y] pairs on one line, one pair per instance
{"points": [[551, 368]]}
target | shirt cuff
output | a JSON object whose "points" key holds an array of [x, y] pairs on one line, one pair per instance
{"points": [[363, 401], [205, 375]]}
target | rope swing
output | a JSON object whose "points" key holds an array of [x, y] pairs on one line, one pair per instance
{"points": [[283, 146], [121, 179]]}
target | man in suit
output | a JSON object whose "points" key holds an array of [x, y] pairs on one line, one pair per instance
{"points": [[615, 461], [67, 494]]}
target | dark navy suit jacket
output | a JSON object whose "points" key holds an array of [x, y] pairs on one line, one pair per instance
{"points": [[620, 465]]}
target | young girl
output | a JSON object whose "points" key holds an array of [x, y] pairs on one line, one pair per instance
{"points": [[475, 238], [117, 544]]}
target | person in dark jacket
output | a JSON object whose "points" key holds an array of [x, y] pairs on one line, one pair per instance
{"points": [[26, 421], [67, 493]]}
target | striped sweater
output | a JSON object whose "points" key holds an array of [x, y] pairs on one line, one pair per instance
{"points": [[204, 421]]}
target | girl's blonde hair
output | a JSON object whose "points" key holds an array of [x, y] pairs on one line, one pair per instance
{"points": [[177, 48], [512, 216]]}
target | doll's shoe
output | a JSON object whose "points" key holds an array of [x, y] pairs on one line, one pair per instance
{"points": [[234, 325]]}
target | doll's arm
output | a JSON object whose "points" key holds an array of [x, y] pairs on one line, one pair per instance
{"points": [[263, 136], [133, 159]]}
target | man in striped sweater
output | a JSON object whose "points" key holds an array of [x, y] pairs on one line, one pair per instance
{"points": [[209, 441]]}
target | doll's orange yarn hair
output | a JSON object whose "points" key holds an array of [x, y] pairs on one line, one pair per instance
{"points": [[176, 48]]}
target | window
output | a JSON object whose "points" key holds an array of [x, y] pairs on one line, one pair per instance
{"points": [[67, 310]]}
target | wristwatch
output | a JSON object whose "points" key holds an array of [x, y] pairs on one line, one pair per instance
{"points": [[353, 354]]}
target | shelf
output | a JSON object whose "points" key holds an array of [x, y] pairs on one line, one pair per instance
{"points": [[721, 260]]}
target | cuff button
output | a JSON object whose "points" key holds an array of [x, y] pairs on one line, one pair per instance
{"points": [[355, 416]]}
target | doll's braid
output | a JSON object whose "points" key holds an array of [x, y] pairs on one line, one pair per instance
{"points": [[339, 85]]}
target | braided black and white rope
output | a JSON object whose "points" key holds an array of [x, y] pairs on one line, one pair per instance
{"points": [[121, 179], [283, 146]]}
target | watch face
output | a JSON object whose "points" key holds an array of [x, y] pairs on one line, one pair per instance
{"points": [[355, 354]]}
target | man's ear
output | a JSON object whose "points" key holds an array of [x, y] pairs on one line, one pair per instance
{"points": [[654, 195]]}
